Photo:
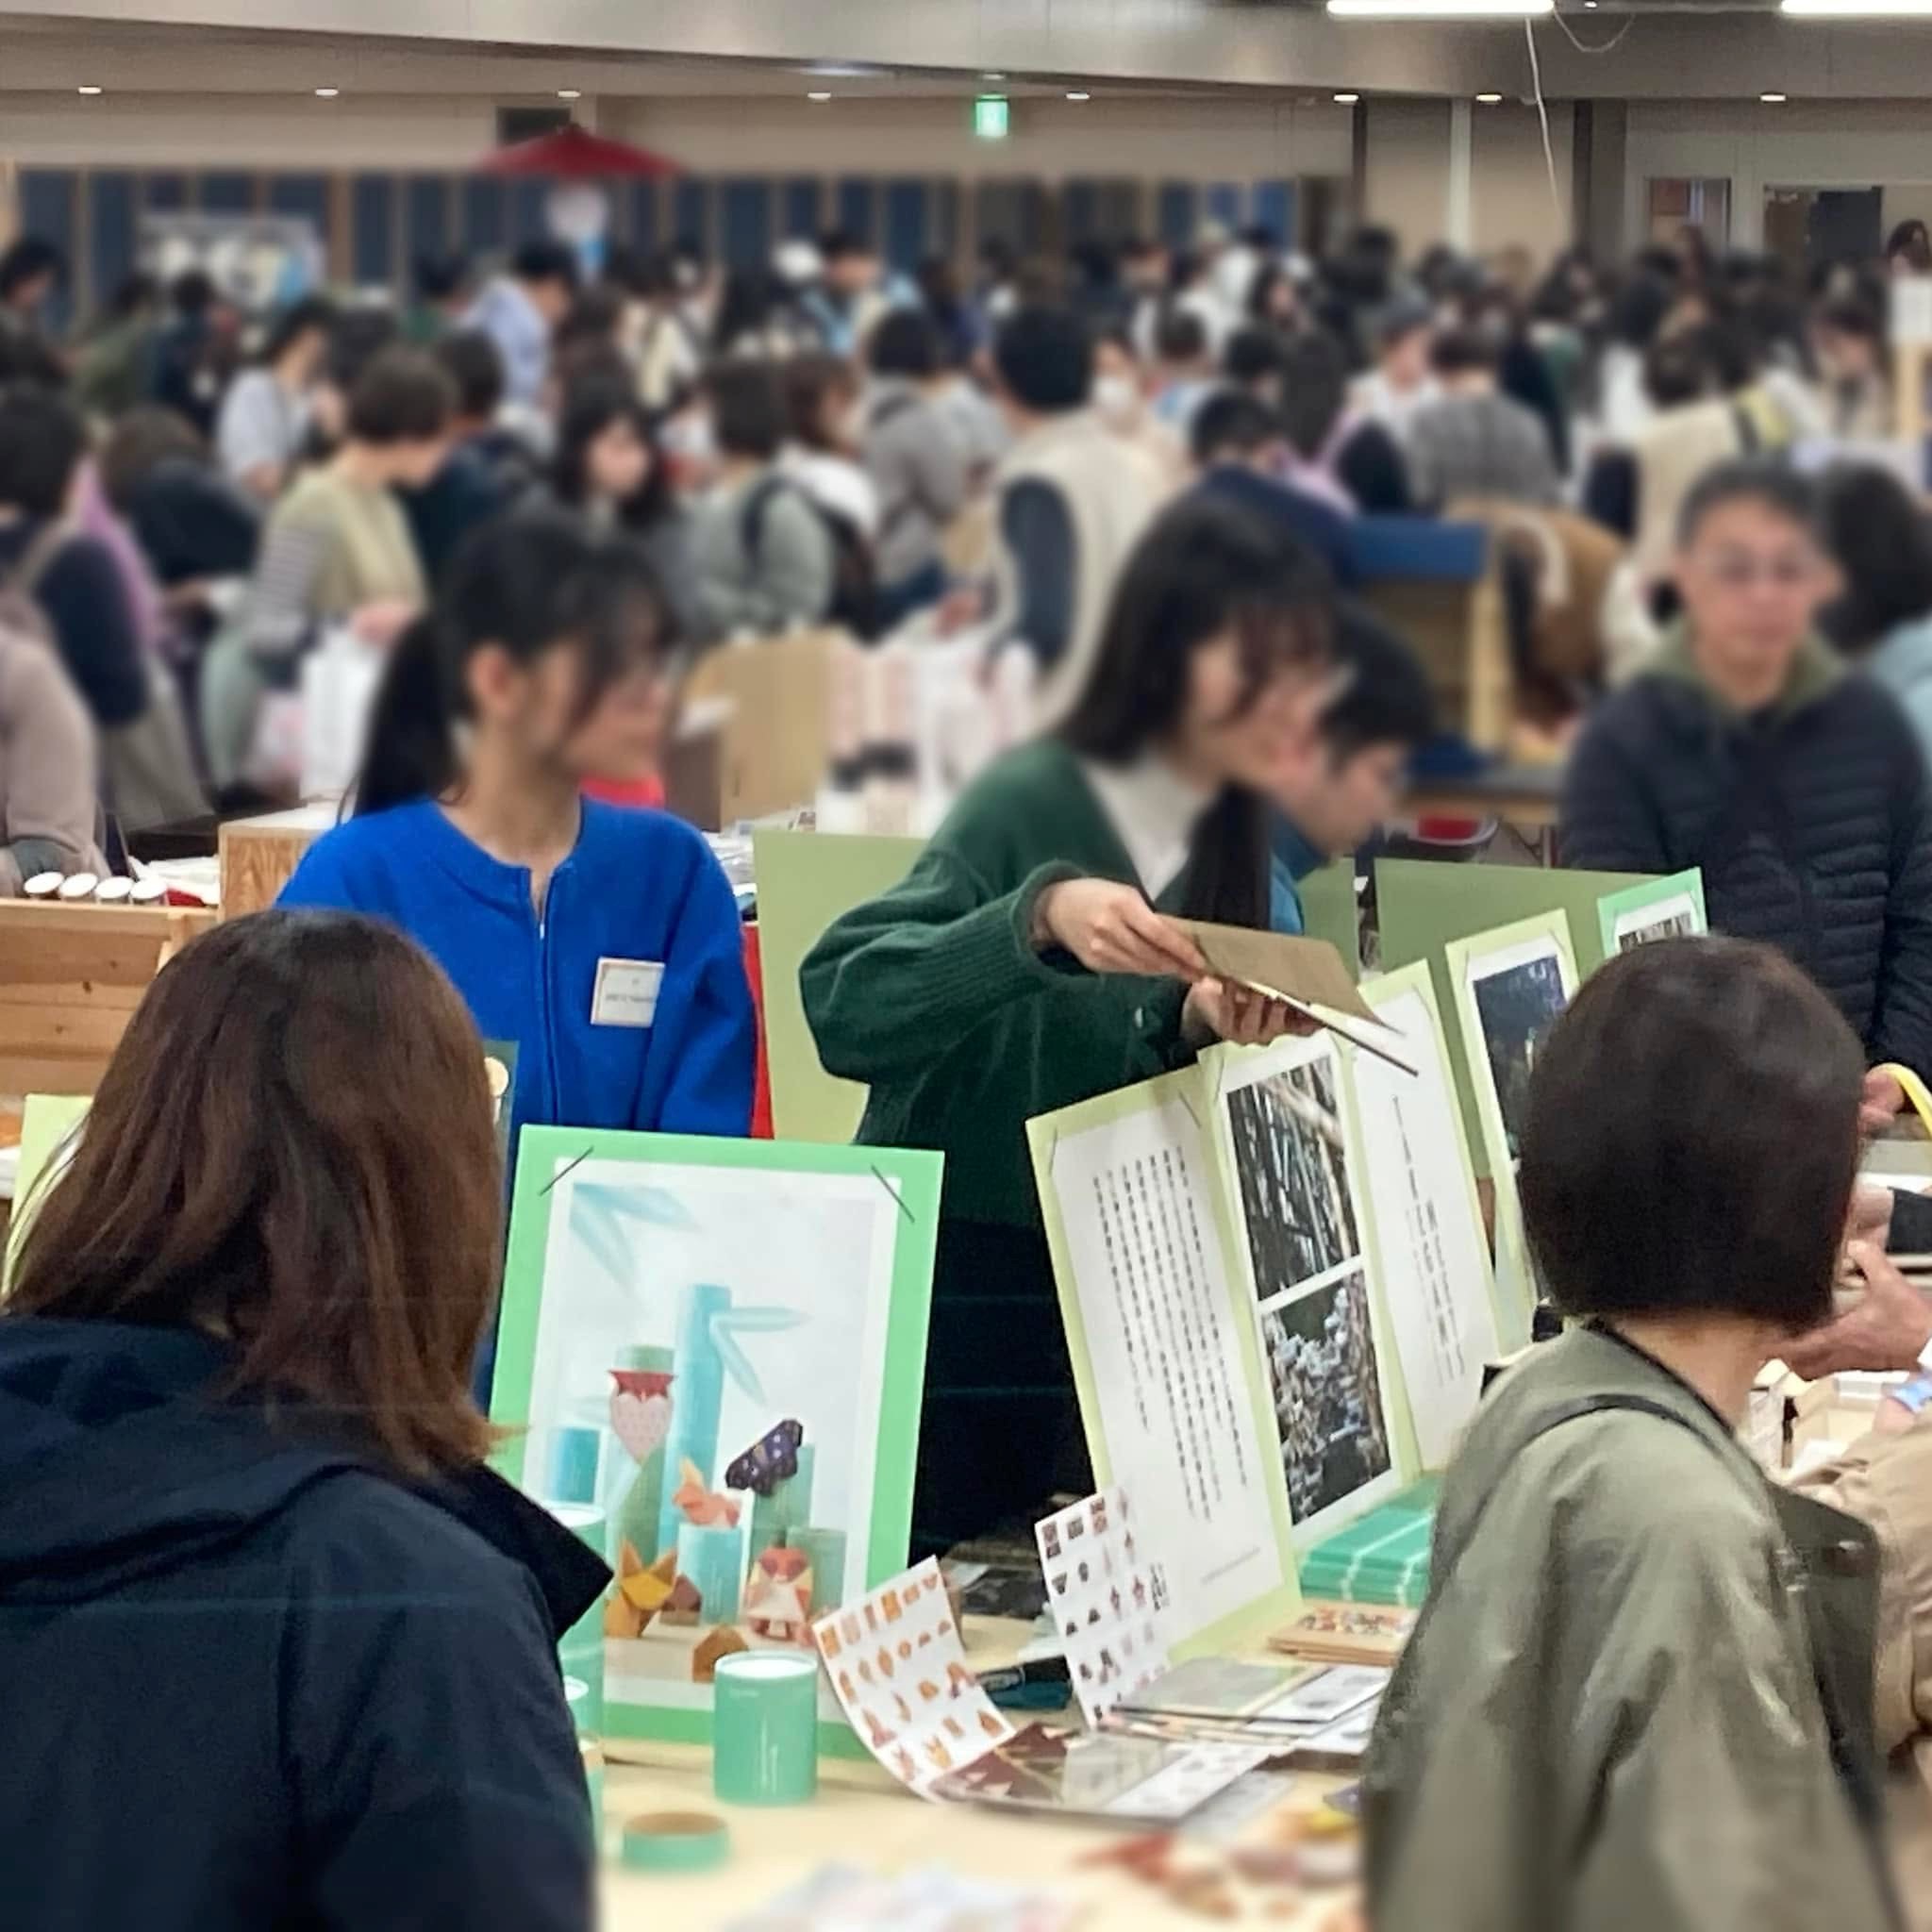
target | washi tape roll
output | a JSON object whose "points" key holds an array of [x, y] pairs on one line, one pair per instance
{"points": [[764, 1728], [675, 1841], [113, 892], [44, 885], [81, 885], [148, 891]]}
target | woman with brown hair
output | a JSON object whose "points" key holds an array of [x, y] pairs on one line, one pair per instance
{"points": [[277, 1648]]}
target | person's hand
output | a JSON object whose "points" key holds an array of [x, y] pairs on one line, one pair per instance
{"points": [[1894, 1418], [1887, 1330], [1869, 1218], [1112, 928], [1881, 1103], [1226, 1009], [382, 624]]}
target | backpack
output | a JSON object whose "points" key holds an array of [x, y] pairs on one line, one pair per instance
{"points": [[855, 579]]}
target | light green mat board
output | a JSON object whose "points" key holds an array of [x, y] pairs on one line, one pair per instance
{"points": [[45, 1121], [1423, 905], [1330, 913], [806, 880]]}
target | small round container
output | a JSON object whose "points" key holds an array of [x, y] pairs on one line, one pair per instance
{"points": [[675, 1841], [83, 885], [148, 892], [44, 885], [765, 1728], [116, 892]]}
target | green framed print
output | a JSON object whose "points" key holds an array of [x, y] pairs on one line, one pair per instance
{"points": [[1665, 908], [716, 1350]]}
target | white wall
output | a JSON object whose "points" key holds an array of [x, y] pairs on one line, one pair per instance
{"points": [[1511, 204], [1871, 144]]}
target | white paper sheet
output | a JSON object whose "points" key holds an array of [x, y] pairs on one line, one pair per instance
{"points": [[1435, 1263]]}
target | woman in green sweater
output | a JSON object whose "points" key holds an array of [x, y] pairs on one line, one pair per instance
{"points": [[1027, 962]]}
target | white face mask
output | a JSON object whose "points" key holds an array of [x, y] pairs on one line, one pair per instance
{"points": [[1117, 398], [689, 436]]}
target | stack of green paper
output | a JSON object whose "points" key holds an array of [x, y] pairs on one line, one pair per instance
{"points": [[1382, 1557]]}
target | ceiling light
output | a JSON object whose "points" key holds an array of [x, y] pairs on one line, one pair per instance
{"points": [[1078, 96], [1842, 10], [990, 75], [326, 93], [1346, 100], [1774, 100], [1489, 100], [1442, 9], [570, 93], [841, 70], [86, 86], [819, 94]]}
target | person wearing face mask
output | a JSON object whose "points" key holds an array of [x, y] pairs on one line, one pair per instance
{"points": [[1122, 403], [1746, 749], [602, 941], [1030, 960], [916, 461]]}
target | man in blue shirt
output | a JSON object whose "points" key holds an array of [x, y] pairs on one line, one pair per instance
{"points": [[520, 311], [1384, 713]]}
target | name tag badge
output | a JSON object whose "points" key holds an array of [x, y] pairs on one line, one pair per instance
{"points": [[626, 992]]}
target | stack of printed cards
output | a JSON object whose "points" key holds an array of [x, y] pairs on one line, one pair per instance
{"points": [[1108, 1598], [842, 1898], [1306, 1715], [900, 1672]]}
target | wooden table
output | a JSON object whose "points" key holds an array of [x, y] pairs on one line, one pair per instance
{"points": [[861, 1817]]}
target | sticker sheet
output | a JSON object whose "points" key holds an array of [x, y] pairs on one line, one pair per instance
{"points": [[1108, 1600], [899, 1668]]}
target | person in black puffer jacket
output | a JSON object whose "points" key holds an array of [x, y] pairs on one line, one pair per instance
{"points": [[1747, 749]]}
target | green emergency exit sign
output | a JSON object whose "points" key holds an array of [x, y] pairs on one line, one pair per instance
{"points": [[991, 116]]}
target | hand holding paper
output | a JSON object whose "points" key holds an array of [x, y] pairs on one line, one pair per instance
{"points": [[1111, 928]]}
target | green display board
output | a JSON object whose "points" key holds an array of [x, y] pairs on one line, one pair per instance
{"points": [[1423, 904], [1330, 911], [806, 880]]}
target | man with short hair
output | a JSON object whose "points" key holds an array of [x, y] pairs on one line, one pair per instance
{"points": [[488, 467], [1073, 498], [1472, 440], [849, 296], [1745, 748], [520, 313], [1184, 373], [30, 271], [1401, 383], [1382, 716]]}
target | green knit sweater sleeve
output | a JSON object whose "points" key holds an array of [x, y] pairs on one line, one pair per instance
{"points": [[895, 983]]}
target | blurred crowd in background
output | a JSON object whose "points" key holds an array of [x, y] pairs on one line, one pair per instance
{"points": [[192, 499]]}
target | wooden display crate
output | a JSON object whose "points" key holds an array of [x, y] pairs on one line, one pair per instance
{"points": [[260, 855], [71, 976]]}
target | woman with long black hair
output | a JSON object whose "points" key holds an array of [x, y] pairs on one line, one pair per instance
{"points": [[1029, 960], [602, 941]]}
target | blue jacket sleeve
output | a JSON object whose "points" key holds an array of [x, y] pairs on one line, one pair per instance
{"points": [[703, 1060], [321, 879], [439, 1782]]}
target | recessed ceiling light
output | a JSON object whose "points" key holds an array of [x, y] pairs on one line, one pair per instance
{"points": [[990, 75], [86, 86], [326, 93], [819, 93], [570, 93], [1590, 5], [1346, 100], [841, 70], [1444, 10], [1076, 95], [1489, 100], [1774, 100]]}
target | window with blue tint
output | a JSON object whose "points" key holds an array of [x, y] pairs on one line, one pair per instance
{"points": [[908, 216], [744, 222], [372, 230], [1223, 200], [856, 201], [164, 192], [691, 213], [1174, 213], [1080, 211], [110, 237], [528, 200], [484, 227], [1275, 209], [801, 204], [646, 230], [303, 196], [49, 202], [226, 195], [425, 219]]}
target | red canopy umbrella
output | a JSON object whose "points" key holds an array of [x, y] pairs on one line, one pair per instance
{"points": [[575, 153]]}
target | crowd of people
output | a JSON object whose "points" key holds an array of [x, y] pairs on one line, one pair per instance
{"points": [[533, 498]]}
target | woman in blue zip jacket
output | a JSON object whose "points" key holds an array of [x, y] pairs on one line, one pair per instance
{"points": [[603, 941]]}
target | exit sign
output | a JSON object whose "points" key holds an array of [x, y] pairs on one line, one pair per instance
{"points": [[990, 115]]}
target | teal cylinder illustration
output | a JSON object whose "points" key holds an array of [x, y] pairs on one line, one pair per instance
{"points": [[712, 1556], [695, 1406]]}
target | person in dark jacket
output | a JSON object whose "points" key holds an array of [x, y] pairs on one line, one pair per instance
{"points": [[278, 1649], [1236, 442], [1746, 748]]}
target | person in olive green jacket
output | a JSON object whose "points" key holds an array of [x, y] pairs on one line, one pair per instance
{"points": [[1638, 1698], [1027, 963]]}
